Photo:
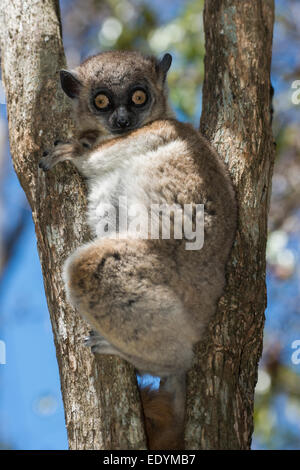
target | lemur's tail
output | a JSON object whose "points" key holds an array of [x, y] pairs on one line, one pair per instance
{"points": [[164, 414]]}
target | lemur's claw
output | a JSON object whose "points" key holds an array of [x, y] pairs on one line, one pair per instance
{"points": [[43, 166], [43, 163], [97, 343], [93, 338]]}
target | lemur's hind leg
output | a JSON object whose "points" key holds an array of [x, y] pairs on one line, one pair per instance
{"points": [[128, 292]]}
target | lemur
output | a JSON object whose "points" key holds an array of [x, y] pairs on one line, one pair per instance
{"points": [[147, 299]]}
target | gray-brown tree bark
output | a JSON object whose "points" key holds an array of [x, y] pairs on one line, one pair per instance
{"points": [[236, 119], [100, 396], [101, 400]]}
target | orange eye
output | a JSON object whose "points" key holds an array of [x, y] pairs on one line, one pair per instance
{"points": [[139, 97], [101, 101]]}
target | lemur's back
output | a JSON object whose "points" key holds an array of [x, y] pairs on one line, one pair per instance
{"points": [[189, 171]]}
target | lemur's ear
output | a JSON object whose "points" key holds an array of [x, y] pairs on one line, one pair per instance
{"points": [[70, 83], [163, 65]]}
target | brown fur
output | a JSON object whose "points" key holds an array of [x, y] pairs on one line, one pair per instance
{"points": [[162, 428]]}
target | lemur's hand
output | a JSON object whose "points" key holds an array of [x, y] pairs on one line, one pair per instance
{"points": [[69, 150], [61, 152]]}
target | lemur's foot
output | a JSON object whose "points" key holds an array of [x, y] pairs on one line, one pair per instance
{"points": [[93, 338], [99, 345]]}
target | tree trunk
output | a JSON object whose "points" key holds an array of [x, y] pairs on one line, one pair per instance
{"points": [[236, 119], [101, 400], [100, 396]]}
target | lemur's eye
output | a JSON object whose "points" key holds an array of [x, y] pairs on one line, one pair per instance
{"points": [[101, 101], [139, 97]]}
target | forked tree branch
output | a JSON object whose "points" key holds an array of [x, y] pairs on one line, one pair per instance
{"points": [[236, 120]]}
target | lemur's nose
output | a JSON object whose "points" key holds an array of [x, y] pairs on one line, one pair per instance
{"points": [[122, 119], [123, 122]]}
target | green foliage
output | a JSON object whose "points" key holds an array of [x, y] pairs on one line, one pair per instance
{"points": [[183, 36], [130, 24]]}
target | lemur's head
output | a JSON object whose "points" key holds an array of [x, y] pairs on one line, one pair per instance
{"points": [[116, 92]]}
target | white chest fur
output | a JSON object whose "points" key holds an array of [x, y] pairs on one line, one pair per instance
{"points": [[115, 193], [121, 175]]}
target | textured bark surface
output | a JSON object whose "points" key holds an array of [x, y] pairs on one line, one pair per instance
{"points": [[236, 120], [100, 396]]}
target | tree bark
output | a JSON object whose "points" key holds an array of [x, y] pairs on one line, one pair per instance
{"points": [[236, 120], [101, 401], [100, 396]]}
